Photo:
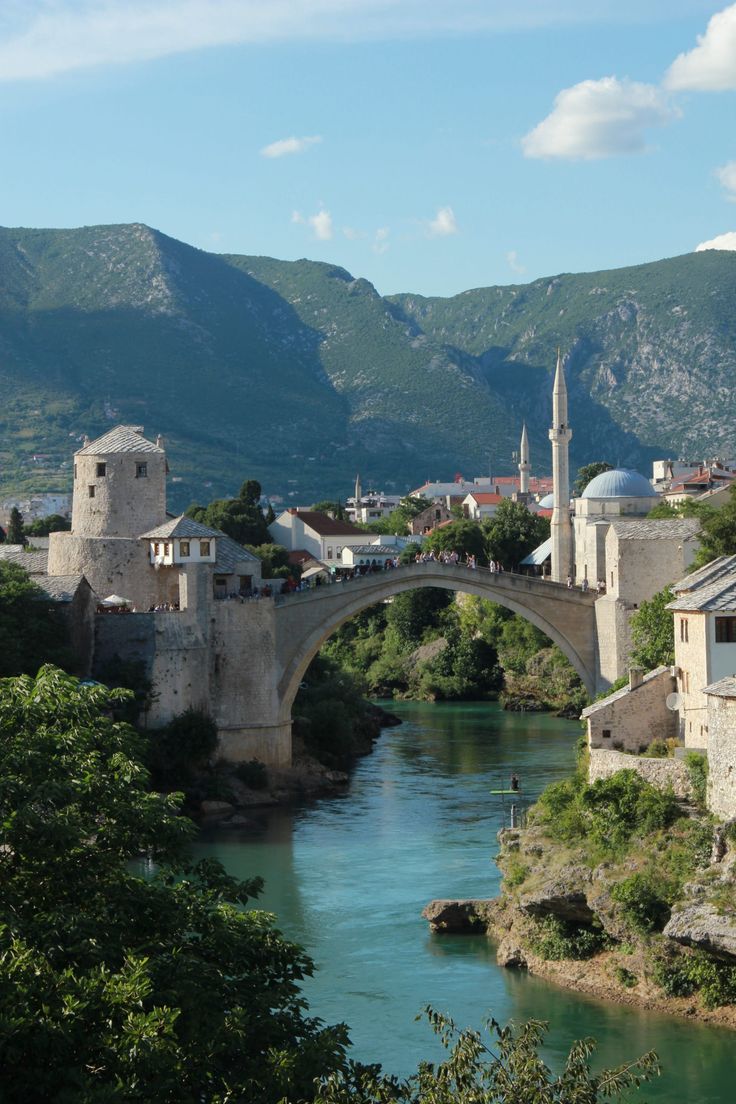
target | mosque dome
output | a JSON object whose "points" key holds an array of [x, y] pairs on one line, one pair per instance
{"points": [[620, 483], [547, 503]]}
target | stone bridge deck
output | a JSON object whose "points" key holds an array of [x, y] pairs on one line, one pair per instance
{"points": [[306, 619]]}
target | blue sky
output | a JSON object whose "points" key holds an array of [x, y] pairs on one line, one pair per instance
{"points": [[428, 145]]}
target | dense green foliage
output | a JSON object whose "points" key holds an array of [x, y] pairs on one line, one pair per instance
{"points": [[32, 631], [512, 533], [507, 1069], [274, 561], [607, 814], [697, 973], [555, 938], [643, 903], [54, 523], [249, 363], [179, 750], [115, 986], [653, 632], [331, 717], [717, 530], [240, 518], [588, 472], [15, 534]]}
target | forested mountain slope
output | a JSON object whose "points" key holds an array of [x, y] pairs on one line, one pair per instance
{"points": [[299, 374]]}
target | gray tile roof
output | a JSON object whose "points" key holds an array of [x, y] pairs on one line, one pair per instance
{"points": [[33, 562], [229, 553], [181, 526], [655, 528], [60, 588], [123, 438], [717, 592], [724, 688], [605, 702], [716, 569]]}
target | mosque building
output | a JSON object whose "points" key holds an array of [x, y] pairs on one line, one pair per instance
{"points": [[604, 540]]}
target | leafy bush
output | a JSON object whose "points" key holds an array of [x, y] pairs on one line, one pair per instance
{"points": [[556, 939], [515, 873], [714, 980], [642, 903], [625, 977], [658, 749], [182, 747], [697, 768], [608, 813]]}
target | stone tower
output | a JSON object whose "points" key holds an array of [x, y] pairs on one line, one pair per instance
{"points": [[524, 465], [119, 485], [559, 435]]}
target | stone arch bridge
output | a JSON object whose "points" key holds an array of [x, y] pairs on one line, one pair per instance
{"points": [[242, 662]]}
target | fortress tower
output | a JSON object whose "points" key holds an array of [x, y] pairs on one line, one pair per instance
{"points": [[524, 465], [559, 435], [119, 494], [119, 485]]}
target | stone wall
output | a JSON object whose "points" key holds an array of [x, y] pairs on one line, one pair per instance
{"points": [[613, 634], [632, 718], [659, 772], [113, 565], [122, 505], [722, 756]]}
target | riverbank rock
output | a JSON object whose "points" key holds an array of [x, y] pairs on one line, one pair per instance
{"points": [[458, 916], [215, 808], [563, 896], [701, 925]]}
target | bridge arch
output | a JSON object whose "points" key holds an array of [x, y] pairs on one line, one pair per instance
{"points": [[305, 621]]}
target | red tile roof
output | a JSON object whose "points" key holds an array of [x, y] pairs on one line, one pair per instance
{"points": [[485, 499]]}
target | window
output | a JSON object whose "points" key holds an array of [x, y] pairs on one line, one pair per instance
{"points": [[166, 548], [91, 490], [725, 630], [329, 553], [141, 471], [101, 469], [606, 734], [156, 548], [338, 552], [75, 471], [204, 548], [184, 548], [683, 630]]}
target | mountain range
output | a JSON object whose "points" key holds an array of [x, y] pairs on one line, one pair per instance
{"points": [[300, 375]]}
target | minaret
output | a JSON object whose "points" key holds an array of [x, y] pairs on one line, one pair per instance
{"points": [[358, 491], [524, 465], [559, 435]]}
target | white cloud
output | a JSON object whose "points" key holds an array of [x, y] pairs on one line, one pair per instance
{"points": [[321, 223], [297, 216], [43, 38], [286, 146], [726, 176], [711, 65], [443, 224], [353, 234], [722, 241], [599, 118], [380, 240], [512, 258]]}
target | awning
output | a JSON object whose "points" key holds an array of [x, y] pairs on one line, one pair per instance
{"points": [[539, 555], [314, 571], [115, 600]]}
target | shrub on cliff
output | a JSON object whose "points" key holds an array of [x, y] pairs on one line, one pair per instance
{"points": [[608, 813]]}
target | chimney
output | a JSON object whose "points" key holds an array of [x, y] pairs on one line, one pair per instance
{"points": [[293, 510], [159, 441], [636, 677]]}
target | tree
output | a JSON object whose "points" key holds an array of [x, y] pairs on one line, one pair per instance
{"points": [[409, 507], [239, 519], [588, 472], [250, 492], [653, 633], [513, 532], [717, 530], [274, 561], [14, 534], [54, 523], [508, 1071], [464, 537], [414, 611], [270, 515], [30, 632], [115, 986]]}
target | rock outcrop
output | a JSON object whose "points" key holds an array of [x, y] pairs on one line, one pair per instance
{"points": [[701, 925], [458, 916]]}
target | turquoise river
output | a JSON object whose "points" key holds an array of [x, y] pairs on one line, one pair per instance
{"points": [[348, 877]]}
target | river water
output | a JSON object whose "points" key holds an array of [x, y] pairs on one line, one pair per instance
{"points": [[349, 876]]}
